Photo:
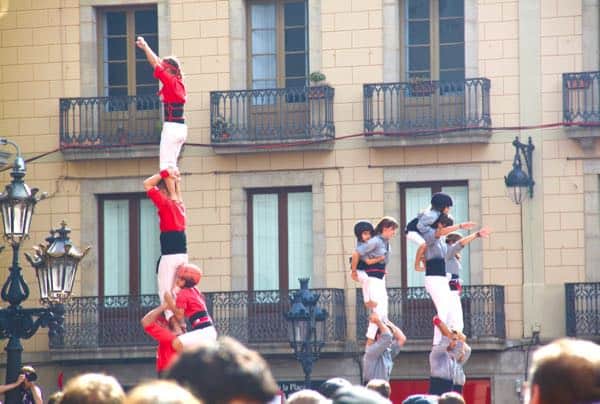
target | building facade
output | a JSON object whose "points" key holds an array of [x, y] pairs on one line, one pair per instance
{"points": [[419, 96]]}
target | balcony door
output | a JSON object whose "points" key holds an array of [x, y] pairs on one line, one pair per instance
{"points": [[278, 68], [434, 50], [124, 72]]}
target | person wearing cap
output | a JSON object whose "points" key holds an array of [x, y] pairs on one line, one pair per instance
{"points": [[455, 242], [190, 304], [362, 265], [172, 222], [28, 392], [376, 247], [174, 97], [330, 386], [380, 351]]}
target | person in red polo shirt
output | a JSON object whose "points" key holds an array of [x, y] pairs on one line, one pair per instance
{"points": [[173, 94], [173, 243], [169, 343]]}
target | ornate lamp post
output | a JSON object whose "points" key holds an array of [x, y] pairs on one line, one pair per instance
{"points": [[518, 182], [17, 204], [306, 328]]}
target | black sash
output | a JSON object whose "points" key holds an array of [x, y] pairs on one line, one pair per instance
{"points": [[173, 242], [435, 267]]}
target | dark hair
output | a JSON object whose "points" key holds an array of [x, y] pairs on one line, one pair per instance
{"points": [[453, 238], [173, 62], [441, 201], [386, 222], [29, 373], [221, 371], [444, 219], [362, 226], [329, 387], [451, 397]]}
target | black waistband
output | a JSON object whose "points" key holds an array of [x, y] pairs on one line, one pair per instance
{"points": [[174, 112], [435, 267], [439, 386], [173, 242], [454, 276], [198, 315]]}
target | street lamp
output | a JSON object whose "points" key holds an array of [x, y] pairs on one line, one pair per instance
{"points": [[306, 328], [17, 204], [518, 182]]}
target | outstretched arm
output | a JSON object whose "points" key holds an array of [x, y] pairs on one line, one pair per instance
{"points": [[376, 260], [6, 387], [483, 232], [449, 229], [153, 59], [153, 315]]}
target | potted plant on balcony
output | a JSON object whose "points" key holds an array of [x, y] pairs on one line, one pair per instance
{"points": [[220, 128], [317, 85], [421, 86]]}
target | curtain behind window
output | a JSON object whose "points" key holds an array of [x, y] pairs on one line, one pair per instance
{"points": [[265, 236], [116, 247], [149, 247], [300, 242], [264, 46]]}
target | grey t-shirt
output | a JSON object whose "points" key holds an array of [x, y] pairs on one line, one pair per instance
{"points": [[453, 265], [441, 362], [374, 247], [379, 358], [436, 247], [458, 376]]}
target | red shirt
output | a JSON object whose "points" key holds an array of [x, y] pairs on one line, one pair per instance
{"points": [[173, 89], [171, 213], [191, 301], [164, 351]]}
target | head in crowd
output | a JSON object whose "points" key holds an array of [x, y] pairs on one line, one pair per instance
{"points": [[93, 388], [453, 238], [55, 397], [381, 386], [451, 397], [30, 376], [171, 63], [421, 399], [160, 392], [307, 396], [386, 226], [188, 275], [441, 202], [358, 395], [329, 387], [443, 220], [225, 371], [565, 371], [363, 231]]}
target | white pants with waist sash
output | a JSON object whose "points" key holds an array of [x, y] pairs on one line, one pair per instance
{"points": [[378, 293], [194, 339], [438, 289], [455, 313], [172, 138], [167, 267]]}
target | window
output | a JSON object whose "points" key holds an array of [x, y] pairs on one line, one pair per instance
{"points": [[414, 197], [280, 243], [129, 245], [278, 40], [124, 68], [434, 39]]}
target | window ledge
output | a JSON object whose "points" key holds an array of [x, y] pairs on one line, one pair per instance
{"points": [[110, 153], [585, 135], [242, 147], [462, 137]]}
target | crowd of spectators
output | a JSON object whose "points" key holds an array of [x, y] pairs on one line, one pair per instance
{"points": [[227, 372]]}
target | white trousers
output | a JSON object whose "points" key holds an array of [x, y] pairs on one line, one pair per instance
{"points": [[378, 293], [167, 267], [438, 289], [194, 339], [363, 278], [455, 313], [172, 138]]}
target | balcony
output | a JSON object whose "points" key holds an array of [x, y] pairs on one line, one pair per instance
{"points": [[582, 305], [427, 112], [295, 118], [110, 127], [581, 106], [94, 323], [412, 310]]}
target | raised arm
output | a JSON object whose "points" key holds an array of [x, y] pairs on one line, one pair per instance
{"points": [[483, 232], [449, 229], [397, 333], [153, 315], [153, 59], [6, 387], [173, 307]]}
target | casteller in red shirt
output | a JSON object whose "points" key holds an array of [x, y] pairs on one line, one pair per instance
{"points": [[194, 307], [165, 353], [173, 89], [171, 213]]}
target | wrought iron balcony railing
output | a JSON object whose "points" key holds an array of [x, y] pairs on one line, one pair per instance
{"points": [[426, 106], [581, 98], [251, 317], [109, 121], [271, 115], [582, 303], [412, 310]]}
